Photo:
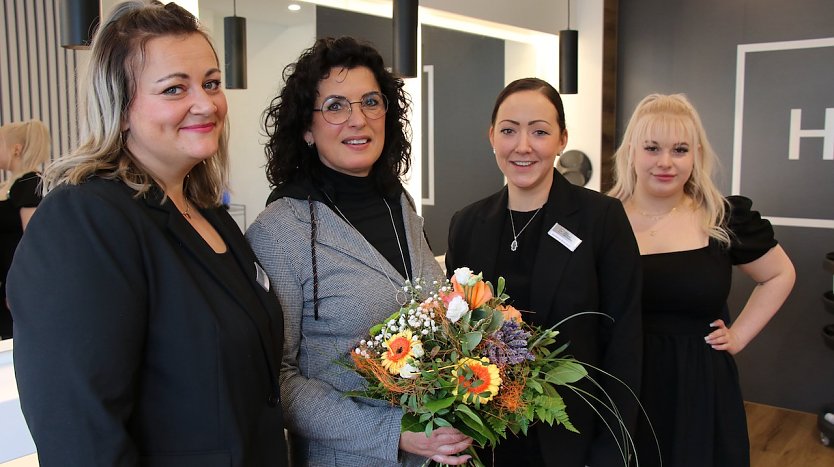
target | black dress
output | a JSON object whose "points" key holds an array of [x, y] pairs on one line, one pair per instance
{"points": [[23, 193], [690, 391]]}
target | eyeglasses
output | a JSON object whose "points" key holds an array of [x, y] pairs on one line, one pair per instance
{"points": [[337, 109]]}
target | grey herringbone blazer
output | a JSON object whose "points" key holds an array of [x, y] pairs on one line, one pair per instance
{"points": [[326, 428]]}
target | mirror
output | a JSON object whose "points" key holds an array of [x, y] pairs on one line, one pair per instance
{"points": [[575, 166]]}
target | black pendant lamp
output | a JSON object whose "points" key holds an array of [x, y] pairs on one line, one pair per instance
{"points": [[568, 59], [234, 35], [405, 38], [79, 20]]}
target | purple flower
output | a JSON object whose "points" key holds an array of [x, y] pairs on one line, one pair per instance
{"points": [[508, 346]]}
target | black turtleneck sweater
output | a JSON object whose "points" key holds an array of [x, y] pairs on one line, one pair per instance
{"points": [[359, 201]]}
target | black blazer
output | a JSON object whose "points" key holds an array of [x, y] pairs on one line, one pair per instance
{"points": [[603, 274], [135, 343]]}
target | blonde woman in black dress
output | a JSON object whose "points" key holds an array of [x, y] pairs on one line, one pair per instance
{"points": [[24, 147], [690, 236]]}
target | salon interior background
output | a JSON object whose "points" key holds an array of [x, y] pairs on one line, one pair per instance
{"points": [[661, 47]]}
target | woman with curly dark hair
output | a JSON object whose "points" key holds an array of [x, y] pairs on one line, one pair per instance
{"points": [[338, 238]]}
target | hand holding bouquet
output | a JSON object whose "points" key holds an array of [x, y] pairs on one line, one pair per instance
{"points": [[464, 358]]}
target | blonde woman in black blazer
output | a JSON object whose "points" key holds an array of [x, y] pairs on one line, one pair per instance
{"points": [[145, 330], [563, 250]]}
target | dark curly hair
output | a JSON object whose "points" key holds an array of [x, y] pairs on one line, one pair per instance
{"points": [[290, 115]]}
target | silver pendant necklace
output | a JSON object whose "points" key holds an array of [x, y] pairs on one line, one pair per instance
{"points": [[514, 243], [399, 295]]}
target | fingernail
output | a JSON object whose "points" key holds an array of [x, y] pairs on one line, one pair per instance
{"points": [[712, 325]]}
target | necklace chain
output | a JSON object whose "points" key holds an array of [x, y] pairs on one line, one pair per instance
{"points": [[657, 218], [187, 212], [399, 295], [514, 243]]}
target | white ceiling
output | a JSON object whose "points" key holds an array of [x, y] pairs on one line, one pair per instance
{"points": [[539, 15], [269, 11]]}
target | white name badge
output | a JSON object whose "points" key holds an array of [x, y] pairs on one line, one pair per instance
{"points": [[261, 277], [564, 236]]}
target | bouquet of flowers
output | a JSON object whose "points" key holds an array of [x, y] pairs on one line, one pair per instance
{"points": [[464, 358]]}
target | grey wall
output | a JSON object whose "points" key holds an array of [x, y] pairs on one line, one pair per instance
{"points": [[690, 46], [374, 29], [468, 74]]}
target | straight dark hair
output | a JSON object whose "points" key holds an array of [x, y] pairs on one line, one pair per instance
{"points": [[532, 84]]}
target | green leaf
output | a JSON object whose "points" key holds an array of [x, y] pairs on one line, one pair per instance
{"points": [[410, 422], [498, 425], [395, 315], [429, 429], [434, 405], [566, 373], [470, 340], [376, 329], [496, 322], [480, 439], [472, 420], [535, 385], [441, 422], [501, 284], [562, 417], [480, 313]]}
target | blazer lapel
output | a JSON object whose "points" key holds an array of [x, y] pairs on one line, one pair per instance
{"points": [[258, 311], [415, 239], [553, 257], [190, 239]]}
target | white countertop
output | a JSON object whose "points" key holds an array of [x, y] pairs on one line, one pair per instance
{"points": [[16, 443]]}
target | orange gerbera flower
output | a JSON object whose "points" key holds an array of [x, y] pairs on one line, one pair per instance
{"points": [[485, 378], [399, 348], [475, 295]]}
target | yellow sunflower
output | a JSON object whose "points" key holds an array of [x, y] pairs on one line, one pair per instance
{"points": [[485, 378], [399, 348]]}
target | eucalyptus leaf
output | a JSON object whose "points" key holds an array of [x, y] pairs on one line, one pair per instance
{"points": [[441, 422], [496, 322], [429, 429], [470, 340], [480, 313]]}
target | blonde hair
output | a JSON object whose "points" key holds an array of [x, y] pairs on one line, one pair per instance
{"points": [[33, 137], [117, 53], [659, 114]]}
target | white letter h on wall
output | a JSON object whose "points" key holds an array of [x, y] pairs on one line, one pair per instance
{"points": [[796, 132]]}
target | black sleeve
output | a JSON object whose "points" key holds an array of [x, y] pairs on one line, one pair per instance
{"points": [[750, 235], [25, 191], [77, 291], [621, 279]]}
